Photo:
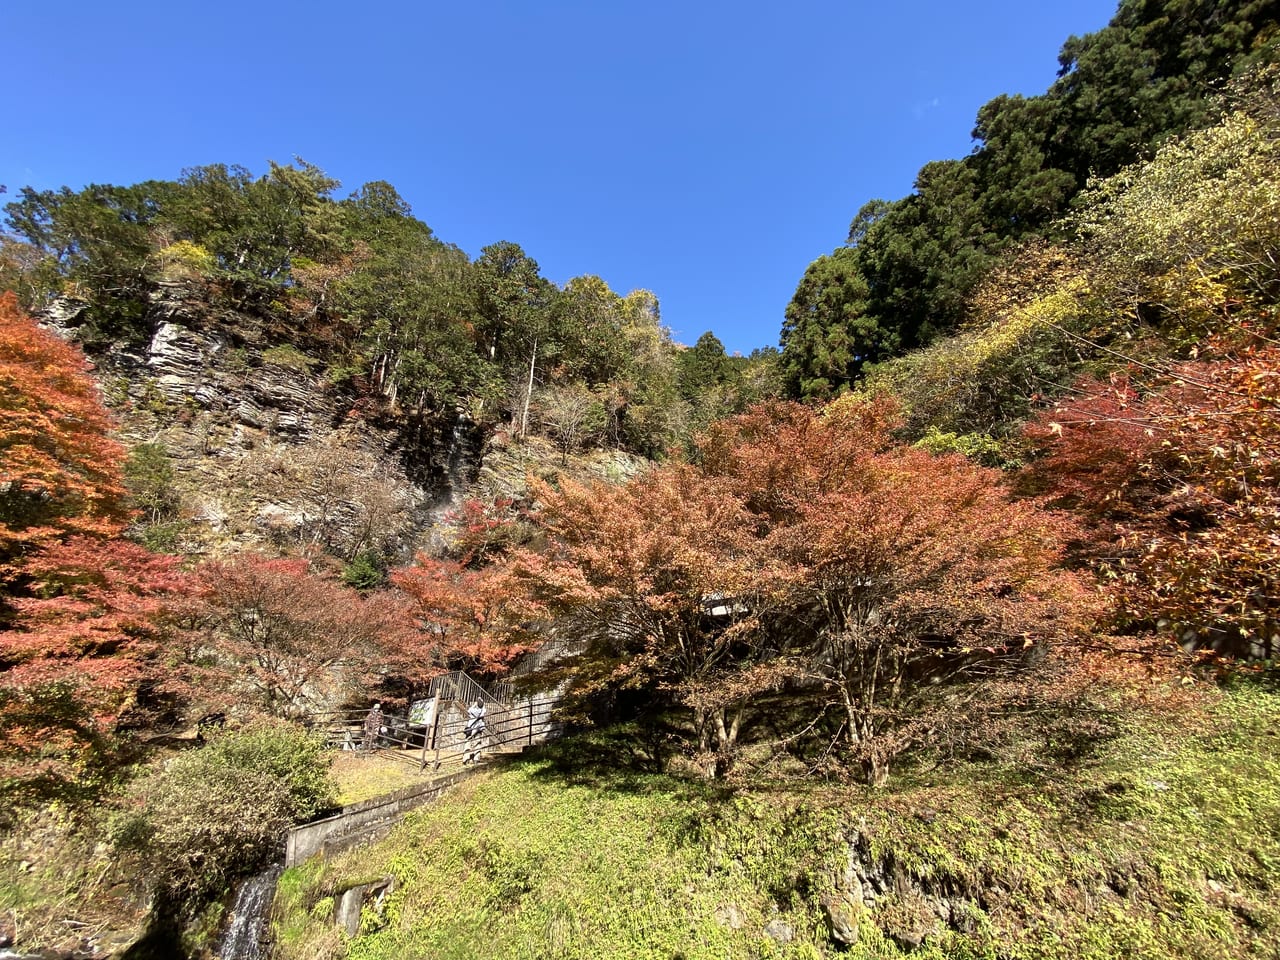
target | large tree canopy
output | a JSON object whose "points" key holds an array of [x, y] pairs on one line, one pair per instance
{"points": [[808, 549], [1152, 73]]}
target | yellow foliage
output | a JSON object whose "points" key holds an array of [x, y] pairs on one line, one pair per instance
{"points": [[185, 259], [1017, 347], [1196, 230]]}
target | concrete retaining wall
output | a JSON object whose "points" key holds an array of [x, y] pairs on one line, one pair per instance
{"points": [[311, 838]]}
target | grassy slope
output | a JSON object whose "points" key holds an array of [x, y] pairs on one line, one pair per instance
{"points": [[1165, 842], [361, 776]]}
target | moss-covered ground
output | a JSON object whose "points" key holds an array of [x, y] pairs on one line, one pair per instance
{"points": [[361, 776], [1160, 841]]}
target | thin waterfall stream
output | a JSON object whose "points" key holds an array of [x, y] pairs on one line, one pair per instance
{"points": [[250, 917], [461, 461]]}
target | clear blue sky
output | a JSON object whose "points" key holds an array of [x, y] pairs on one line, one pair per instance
{"points": [[706, 151]]}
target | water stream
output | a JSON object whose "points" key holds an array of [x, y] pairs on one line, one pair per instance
{"points": [[250, 917], [461, 455]]}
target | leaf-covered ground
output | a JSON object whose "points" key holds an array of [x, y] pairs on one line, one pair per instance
{"points": [[1162, 841]]}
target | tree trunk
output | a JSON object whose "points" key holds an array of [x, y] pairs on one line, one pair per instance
{"points": [[528, 392], [875, 771], [706, 756], [727, 739]]}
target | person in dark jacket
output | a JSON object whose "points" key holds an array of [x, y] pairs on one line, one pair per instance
{"points": [[372, 726]]}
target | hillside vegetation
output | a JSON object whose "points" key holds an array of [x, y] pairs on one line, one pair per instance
{"points": [[910, 267], [966, 648], [1161, 841]]}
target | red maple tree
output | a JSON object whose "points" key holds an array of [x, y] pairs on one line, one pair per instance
{"points": [[84, 649], [663, 583], [60, 470], [810, 551], [909, 572], [471, 618], [290, 639], [1182, 490], [88, 656]]}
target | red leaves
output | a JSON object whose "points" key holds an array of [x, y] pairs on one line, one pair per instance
{"points": [[805, 547], [84, 612], [289, 636], [1096, 441], [901, 530], [481, 528], [1182, 488], [472, 618], [59, 469], [91, 636], [93, 622]]}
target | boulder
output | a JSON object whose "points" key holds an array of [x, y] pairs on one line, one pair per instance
{"points": [[842, 915], [779, 931]]}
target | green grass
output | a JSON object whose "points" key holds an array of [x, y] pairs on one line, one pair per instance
{"points": [[360, 776], [1165, 841]]}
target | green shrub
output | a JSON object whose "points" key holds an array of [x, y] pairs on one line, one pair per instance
{"points": [[289, 356], [149, 475], [980, 447], [365, 572], [218, 813]]}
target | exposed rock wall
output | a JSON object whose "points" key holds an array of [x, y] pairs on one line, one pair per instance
{"points": [[908, 907], [263, 450]]}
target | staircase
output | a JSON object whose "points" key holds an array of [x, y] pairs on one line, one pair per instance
{"points": [[434, 732]]}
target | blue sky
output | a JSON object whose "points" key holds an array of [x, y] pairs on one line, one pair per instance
{"points": [[706, 151]]}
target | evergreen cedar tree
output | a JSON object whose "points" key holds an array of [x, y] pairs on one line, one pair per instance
{"points": [[910, 265], [806, 550]]}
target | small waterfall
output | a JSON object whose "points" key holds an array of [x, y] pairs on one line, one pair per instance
{"points": [[460, 449], [460, 457], [250, 916]]}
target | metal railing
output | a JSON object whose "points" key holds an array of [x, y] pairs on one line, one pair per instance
{"points": [[441, 738], [460, 687], [507, 729]]}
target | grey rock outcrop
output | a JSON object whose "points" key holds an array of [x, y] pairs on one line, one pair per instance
{"points": [[907, 908], [779, 931], [351, 903], [263, 451], [841, 913]]}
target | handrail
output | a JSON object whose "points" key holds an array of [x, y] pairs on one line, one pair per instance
{"points": [[460, 686], [506, 725]]}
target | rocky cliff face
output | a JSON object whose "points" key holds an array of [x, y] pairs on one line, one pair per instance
{"points": [[262, 450], [259, 450]]}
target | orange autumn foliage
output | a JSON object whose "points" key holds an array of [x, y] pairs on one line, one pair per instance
{"points": [[60, 471], [470, 619], [813, 552], [290, 639], [84, 654]]}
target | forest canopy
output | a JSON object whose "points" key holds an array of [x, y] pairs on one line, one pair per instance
{"points": [[910, 267], [394, 313]]}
